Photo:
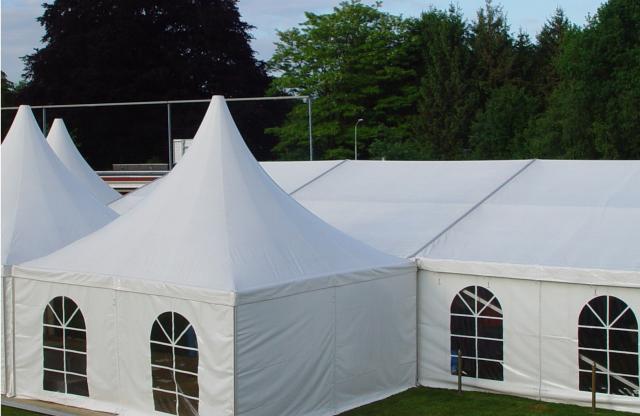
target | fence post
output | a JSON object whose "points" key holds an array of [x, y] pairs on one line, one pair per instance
{"points": [[593, 386], [459, 371], [310, 129], [44, 121]]}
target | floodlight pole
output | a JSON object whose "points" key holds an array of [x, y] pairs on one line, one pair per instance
{"points": [[44, 121], [355, 139], [169, 141], [310, 129]]}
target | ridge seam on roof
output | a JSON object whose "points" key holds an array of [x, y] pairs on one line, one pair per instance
{"points": [[474, 207], [318, 177]]}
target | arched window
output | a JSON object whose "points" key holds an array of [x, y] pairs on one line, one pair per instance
{"points": [[174, 365], [608, 336], [476, 330], [64, 338]]}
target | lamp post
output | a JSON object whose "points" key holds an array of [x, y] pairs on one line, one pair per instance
{"points": [[355, 138]]}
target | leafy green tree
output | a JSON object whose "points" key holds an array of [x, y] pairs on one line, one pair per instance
{"points": [[134, 50], [549, 42], [445, 107], [593, 112], [354, 62], [498, 130]]}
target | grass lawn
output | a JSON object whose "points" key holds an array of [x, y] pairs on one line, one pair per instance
{"points": [[423, 401]]}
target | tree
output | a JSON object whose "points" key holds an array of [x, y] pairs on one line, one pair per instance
{"points": [[549, 42], [132, 50], [445, 107], [355, 64], [593, 112]]}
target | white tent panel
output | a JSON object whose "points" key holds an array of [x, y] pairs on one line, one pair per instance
{"points": [[43, 205], [293, 175], [63, 146], [398, 207], [130, 200], [578, 214]]}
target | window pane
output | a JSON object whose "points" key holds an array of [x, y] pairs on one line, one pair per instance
{"points": [[467, 345], [493, 309], [600, 357], [624, 386], [161, 355], [77, 321], [627, 321], [468, 367], [458, 306], [52, 337], [69, 308], [616, 307], [53, 381], [490, 370], [623, 340], [77, 385], [187, 384], [164, 402], [186, 360], [599, 305], [157, 334], [163, 379], [187, 407], [53, 359], [49, 317], [188, 339], [587, 317], [585, 382], [623, 363], [490, 328], [56, 305], [166, 320], [462, 325], [468, 294], [76, 340], [179, 325], [592, 338], [76, 363], [490, 349]]}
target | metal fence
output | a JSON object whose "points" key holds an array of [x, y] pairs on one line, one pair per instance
{"points": [[168, 104]]}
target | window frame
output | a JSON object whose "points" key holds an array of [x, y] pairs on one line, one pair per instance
{"points": [[64, 325]]}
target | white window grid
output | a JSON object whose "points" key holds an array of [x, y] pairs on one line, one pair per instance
{"points": [[477, 315], [173, 345], [604, 369], [64, 326]]}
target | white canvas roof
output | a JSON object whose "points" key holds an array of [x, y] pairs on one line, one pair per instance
{"points": [[130, 200], [43, 205], [61, 143], [220, 223], [291, 176], [564, 214], [399, 206]]}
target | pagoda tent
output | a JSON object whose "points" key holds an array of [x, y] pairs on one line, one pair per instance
{"points": [[130, 200], [44, 208], [537, 285], [61, 143], [218, 294]]}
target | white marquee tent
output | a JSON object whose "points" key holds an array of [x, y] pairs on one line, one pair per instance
{"points": [[61, 143], [42, 209], [217, 293]]}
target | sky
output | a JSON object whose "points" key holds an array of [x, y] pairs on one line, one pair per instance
{"points": [[21, 33]]}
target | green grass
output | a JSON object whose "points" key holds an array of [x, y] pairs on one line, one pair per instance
{"points": [[423, 401]]}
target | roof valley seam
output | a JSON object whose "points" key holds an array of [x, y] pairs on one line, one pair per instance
{"points": [[473, 208], [318, 177]]}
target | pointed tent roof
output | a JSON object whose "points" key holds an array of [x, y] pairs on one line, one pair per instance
{"points": [[61, 143], [219, 222], [43, 205]]}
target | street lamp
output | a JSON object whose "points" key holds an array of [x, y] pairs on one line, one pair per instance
{"points": [[355, 138]]}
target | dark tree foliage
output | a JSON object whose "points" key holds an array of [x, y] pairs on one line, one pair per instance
{"points": [[134, 50]]}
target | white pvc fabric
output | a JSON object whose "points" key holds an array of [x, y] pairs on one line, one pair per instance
{"points": [[266, 285], [540, 345], [63, 146]]}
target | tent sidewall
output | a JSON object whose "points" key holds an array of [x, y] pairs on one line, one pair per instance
{"points": [[540, 335]]}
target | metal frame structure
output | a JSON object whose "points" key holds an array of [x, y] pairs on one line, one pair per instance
{"points": [[168, 103]]}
